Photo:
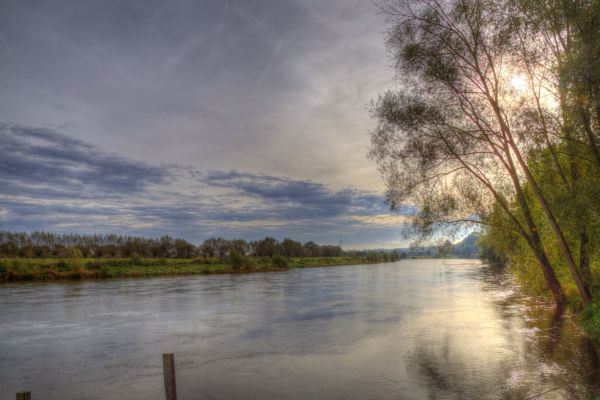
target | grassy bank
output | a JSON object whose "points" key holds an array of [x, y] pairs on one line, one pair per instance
{"points": [[21, 269]]}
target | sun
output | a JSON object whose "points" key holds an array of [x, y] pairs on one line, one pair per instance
{"points": [[519, 82]]}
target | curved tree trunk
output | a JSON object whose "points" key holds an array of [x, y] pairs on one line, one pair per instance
{"points": [[535, 242], [558, 233]]}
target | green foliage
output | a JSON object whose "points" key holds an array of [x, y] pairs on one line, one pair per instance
{"points": [[74, 258], [465, 144], [47, 244], [18, 269], [278, 261], [590, 320], [373, 256], [577, 214], [238, 261], [135, 259]]}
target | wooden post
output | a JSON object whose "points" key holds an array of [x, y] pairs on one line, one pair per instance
{"points": [[169, 374], [23, 395]]}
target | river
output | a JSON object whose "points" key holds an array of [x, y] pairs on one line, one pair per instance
{"points": [[415, 329]]}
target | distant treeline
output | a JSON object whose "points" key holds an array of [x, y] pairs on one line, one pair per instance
{"points": [[47, 244]]}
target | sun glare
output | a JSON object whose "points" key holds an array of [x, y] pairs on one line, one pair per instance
{"points": [[518, 83]]}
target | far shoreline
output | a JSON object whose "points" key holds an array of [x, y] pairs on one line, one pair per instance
{"points": [[63, 269]]}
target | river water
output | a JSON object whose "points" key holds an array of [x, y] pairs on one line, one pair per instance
{"points": [[415, 329]]}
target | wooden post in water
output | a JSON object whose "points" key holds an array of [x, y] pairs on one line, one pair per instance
{"points": [[169, 374], [23, 395]]}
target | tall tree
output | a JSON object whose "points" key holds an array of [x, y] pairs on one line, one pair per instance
{"points": [[561, 48], [449, 141]]}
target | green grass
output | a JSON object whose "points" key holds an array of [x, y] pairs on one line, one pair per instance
{"points": [[21, 269]]}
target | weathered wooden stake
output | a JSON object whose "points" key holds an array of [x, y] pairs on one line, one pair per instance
{"points": [[169, 374], [23, 395]]}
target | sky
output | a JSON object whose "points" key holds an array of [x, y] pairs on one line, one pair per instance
{"points": [[194, 119]]}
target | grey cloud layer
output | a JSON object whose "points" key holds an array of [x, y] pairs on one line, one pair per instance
{"points": [[285, 80], [41, 161], [229, 88], [315, 200], [53, 182]]}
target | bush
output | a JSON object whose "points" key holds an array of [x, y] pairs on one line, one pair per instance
{"points": [[61, 266], [74, 257], [94, 265], [235, 259], [238, 261], [135, 259], [279, 262], [590, 320]]}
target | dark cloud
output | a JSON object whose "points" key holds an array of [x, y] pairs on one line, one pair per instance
{"points": [[299, 199], [35, 161]]}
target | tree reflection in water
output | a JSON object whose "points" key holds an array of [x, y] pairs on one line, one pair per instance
{"points": [[557, 362]]}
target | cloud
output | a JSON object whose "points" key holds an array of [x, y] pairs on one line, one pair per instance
{"points": [[382, 219], [51, 181], [286, 81], [301, 198], [36, 161]]}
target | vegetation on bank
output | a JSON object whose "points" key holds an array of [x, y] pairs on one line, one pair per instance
{"points": [[46, 255], [590, 320], [500, 128], [23, 269], [48, 244]]}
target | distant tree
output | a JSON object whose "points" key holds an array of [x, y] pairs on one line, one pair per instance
{"points": [[45, 244], [267, 247], [215, 247], [373, 256], [445, 249], [184, 249], [330, 251], [236, 259], [291, 248], [310, 249], [240, 246]]}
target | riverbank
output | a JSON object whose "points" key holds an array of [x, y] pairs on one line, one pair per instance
{"points": [[27, 269], [588, 317]]}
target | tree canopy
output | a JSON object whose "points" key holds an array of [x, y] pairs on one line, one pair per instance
{"points": [[495, 123]]}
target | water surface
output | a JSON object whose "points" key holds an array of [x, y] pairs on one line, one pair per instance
{"points": [[416, 329]]}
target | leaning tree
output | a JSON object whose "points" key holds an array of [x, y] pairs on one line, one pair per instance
{"points": [[454, 138]]}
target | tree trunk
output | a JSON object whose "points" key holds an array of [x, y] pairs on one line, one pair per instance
{"points": [[584, 258], [562, 242], [535, 242], [589, 133], [549, 275], [533, 237]]}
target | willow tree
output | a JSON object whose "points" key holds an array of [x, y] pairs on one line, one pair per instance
{"points": [[558, 44], [570, 32], [449, 140]]}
